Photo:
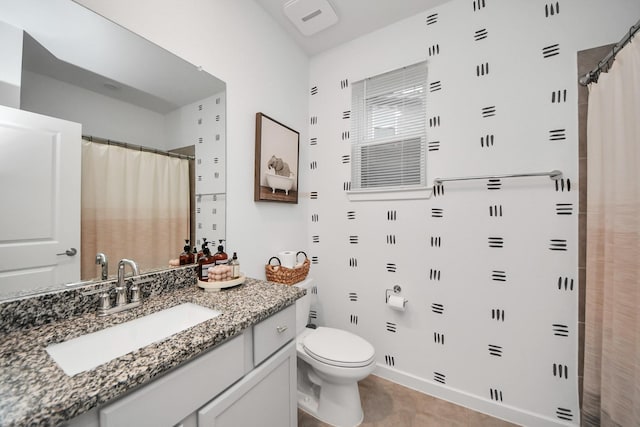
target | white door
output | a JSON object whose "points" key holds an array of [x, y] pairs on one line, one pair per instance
{"points": [[39, 200]]}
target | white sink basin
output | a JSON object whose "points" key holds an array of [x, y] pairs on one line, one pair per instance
{"points": [[88, 351]]}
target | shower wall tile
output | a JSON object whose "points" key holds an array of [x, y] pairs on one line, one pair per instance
{"points": [[489, 267]]}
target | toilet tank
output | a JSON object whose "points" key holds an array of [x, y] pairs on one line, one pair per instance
{"points": [[303, 305]]}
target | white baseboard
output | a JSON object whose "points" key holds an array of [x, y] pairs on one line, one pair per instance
{"points": [[474, 402]]}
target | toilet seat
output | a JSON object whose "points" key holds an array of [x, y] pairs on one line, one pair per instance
{"points": [[338, 348]]}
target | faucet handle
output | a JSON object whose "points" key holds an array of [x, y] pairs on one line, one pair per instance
{"points": [[121, 295], [104, 303], [135, 293], [135, 287]]}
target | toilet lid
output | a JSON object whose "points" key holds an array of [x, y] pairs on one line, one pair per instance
{"points": [[339, 348]]}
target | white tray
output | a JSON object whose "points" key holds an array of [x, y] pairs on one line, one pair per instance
{"points": [[216, 286]]}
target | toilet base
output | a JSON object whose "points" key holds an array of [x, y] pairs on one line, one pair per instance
{"points": [[338, 406]]}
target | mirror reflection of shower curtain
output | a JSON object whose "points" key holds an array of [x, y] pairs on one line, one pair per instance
{"points": [[135, 204]]}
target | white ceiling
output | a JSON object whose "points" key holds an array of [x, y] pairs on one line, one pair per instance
{"points": [[355, 18]]}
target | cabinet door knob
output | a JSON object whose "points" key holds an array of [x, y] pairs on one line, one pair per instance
{"points": [[281, 329]]}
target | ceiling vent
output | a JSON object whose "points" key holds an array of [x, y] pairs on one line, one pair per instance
{"points": [[310, 16]]}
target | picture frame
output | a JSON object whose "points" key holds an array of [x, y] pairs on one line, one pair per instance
{"points": [[276, 161]]}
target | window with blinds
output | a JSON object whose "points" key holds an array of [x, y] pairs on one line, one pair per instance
{"points": [[388, 131]]}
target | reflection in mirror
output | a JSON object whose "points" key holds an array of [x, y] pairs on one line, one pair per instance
{"points": [[134, 205], [131, 91]]}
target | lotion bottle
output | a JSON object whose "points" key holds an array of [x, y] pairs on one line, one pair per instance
{"points": [[235, 266], [221, 256], [186, 257], [201, 251], [205, 261]]}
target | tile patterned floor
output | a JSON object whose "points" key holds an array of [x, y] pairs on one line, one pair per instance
{"points": [[387, 404]]}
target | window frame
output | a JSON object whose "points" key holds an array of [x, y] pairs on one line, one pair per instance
{"points": [[396, 91]]}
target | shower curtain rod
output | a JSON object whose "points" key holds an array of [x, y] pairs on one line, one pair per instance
{"points": [[592, 76], [554, 175], [135, 147]]}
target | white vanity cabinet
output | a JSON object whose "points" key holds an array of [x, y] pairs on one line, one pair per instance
{"points": [[247, 381], [168, 399], [267, 396]]}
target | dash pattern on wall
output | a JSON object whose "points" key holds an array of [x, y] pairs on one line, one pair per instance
{"points": [[210, 141], [485, 264]]}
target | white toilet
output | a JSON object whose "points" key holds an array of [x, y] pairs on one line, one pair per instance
{"points": [[330, 364]]}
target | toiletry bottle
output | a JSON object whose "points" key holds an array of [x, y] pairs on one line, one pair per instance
{"points": [[205, 261], [201, 252], [191, 256], [235, 266], [186, 257], [221, 257]]}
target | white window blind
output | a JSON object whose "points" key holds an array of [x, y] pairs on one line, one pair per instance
{"points": [[388, 130]]}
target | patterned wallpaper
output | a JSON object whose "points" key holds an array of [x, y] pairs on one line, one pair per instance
{"points": [[489, 267], [208, 132]]}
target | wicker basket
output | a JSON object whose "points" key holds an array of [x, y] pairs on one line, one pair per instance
{"points": [[284, 275]]}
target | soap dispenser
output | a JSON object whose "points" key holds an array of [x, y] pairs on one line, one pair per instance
{"points": [[186, 257], [204, 262], [220, 257], [201, 251]]}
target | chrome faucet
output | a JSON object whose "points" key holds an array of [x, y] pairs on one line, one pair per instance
{"points": [[104, 307], [101, 259], [121, 286]]}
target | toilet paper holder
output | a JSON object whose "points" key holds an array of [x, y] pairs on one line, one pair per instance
{"points": [[396, 291], [394, 300]]}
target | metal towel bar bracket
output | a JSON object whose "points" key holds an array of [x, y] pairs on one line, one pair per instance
{"points": [[554, 175]]}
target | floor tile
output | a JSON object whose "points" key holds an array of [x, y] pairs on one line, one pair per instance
{"points": [[387, 404]]}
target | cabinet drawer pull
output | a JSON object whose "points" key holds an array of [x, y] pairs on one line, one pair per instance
{"points": [[281, 329]]}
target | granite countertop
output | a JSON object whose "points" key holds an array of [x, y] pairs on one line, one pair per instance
{"points": [[35, 391]]}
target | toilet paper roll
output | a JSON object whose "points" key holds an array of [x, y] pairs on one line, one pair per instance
{"points": [[287, 259], [396, 302]]}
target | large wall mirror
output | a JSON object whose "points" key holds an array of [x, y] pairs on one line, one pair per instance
{"points": [[136, 103]]}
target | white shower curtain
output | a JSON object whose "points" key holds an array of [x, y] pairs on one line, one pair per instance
{"points": [[611, 393], [135, 204]]}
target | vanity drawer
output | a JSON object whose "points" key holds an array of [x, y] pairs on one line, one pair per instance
{"points": [[172, 397], [273, 332]]}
